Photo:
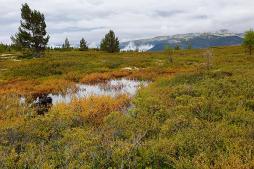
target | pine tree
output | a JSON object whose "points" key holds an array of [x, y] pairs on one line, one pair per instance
{"points": [[83, 45], [248, 42], [66, 44], [32, 35], [110, 43]]}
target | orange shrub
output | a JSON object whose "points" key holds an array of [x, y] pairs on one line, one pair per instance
{"points": [[102, 77], [36, 87], [54, 86], [94, 108]]}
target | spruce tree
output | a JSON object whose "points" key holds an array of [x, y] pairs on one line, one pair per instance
{"points": [[66, 44], [110, 43], [83, 45], [32, 35]]}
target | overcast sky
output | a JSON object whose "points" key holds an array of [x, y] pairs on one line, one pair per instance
{"points": [[130, 19]]}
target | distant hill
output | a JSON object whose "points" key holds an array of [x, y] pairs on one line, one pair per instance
{"points": [[195, 40]]}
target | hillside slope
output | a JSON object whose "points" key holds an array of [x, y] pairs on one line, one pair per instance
{"points": [[193, 40]]}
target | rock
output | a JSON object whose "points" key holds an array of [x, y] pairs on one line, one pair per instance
{"points": [[130, 68], [43, 104]]}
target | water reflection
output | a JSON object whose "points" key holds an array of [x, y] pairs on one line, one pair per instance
{"points": [[109, 88]]}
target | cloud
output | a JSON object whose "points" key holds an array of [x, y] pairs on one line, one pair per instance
{"points": [[75, 29], [164, 13], [130, 19]]}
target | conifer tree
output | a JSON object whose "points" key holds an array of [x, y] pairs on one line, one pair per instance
{"points": [[32, 35], [110, 43], [66, 44], [83, 45]]}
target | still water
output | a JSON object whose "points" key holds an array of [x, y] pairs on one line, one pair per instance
{"points": [[109, 88]]}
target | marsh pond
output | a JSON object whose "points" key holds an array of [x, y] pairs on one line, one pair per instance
{"points": [[111, 88]]}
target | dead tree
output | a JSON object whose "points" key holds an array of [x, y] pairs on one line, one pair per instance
{"points": [[208, 55]]}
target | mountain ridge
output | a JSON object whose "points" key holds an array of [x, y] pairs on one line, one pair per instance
{"points": [[195, 40]]}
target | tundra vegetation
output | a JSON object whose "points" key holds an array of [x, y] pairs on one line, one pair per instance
{"points": [[188, 117], [197, 112]]}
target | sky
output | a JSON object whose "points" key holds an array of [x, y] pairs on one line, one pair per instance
{"points": [[130, 19]]}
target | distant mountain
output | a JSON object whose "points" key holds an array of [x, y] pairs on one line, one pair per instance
{"points": [[195, 40]]}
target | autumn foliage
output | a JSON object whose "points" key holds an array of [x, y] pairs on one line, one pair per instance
{"points": [[188, 117]]}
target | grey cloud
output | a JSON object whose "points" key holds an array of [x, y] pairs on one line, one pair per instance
{"points": [[8, 21], [77, 16], [169, 13], [131, 19], [75, 29], [200, 17]]}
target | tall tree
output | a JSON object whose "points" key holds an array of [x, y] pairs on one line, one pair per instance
{"points": [[66, 44], [249, 41], [32, 34], [110, 43], [83, 45]]}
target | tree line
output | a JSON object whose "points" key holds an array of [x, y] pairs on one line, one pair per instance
{"points": [[109, 43], [33, 38]]}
